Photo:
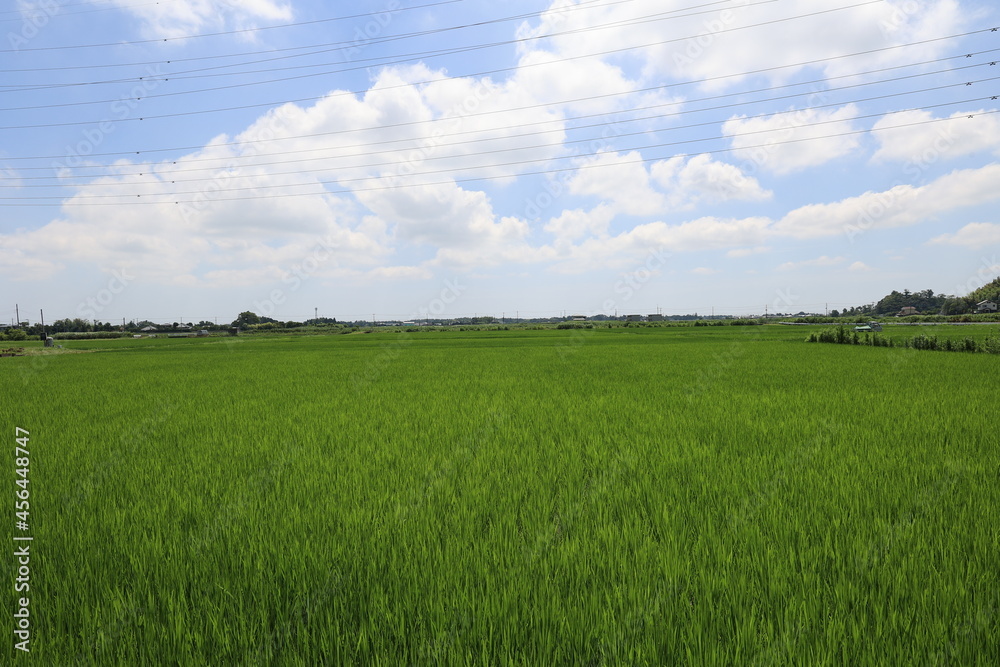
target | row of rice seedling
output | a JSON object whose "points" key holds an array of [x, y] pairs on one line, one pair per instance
{"points": [[922, 341], [645, 496]]}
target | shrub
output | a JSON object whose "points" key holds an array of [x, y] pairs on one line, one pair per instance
{"points": [[992, 345]]}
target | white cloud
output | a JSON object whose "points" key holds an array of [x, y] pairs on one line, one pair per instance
{"points": [[401, 273], [186, 17], [859, 267], [973, 235], [900, 206], [788, 142], [713, 38], [819, 261], [748, 252], [577, 223], [629, 246], [702, 179], [924, 142], [620, 179], [705, 271]]}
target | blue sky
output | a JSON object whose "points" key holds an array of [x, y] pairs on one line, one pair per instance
{"points": [[192, 159]]}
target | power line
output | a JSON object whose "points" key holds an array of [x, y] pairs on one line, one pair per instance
{"points": [[334, 46], [562, 103], [426, 82], [222, 33], [84, 201], [62, 183]]}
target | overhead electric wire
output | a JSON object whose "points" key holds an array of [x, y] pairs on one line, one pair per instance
{"points": [[415, 83], [130, 199], [174, 181], [574, 100], [225, 32], [589, 4], [399, 59], [231, 159], [585, 4]]}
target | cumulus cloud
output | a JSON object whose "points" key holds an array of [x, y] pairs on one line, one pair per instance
{"points": [[748, 252], [973, 235], [695, 46], [899, 206], [789, 142], [915, 138], [186, 17], [819, 261], [702, 179], [622, 180]]}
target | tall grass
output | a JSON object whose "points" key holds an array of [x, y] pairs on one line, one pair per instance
{"points": [[653, 496]]}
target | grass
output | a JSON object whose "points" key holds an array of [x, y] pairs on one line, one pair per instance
{"points": [[711, 495]]}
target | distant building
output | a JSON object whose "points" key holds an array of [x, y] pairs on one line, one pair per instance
{"points": [[908, 310], [654, 318], [148, 329], [633, 318], [986, 307], [579, 318]]}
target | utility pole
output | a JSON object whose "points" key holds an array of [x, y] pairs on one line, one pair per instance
{"points": [[18, 311]]}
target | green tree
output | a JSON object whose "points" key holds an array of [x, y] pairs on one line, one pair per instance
{"points": [[246, 319]]}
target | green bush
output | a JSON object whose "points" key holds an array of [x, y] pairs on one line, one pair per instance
{"points": [[992, 345]]}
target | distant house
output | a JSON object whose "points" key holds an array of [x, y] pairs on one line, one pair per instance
{"points": [[579, 318], [148, 329], [654, 318], [986, 307], [633, 318], [183, 327], [908, 310]]}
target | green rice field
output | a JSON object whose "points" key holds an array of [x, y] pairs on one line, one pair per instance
{"points": [[609, 496]]}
